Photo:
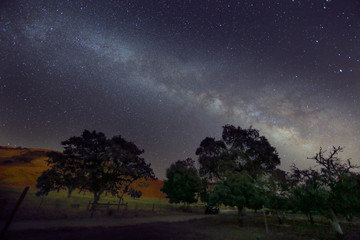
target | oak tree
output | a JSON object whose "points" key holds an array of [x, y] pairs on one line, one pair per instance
{"points": [[183, 182]]}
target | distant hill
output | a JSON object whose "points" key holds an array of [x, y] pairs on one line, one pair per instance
{"points": [[20, 167]]}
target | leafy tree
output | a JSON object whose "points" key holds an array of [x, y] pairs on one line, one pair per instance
{"points": [[279, 203], [135, 193], [345, 195], [205, 190], [63, 174], [183, 182], [332, 189], [124, 166], [238, 150], [256, 201], [310, 196], [235, 164], [229, 192], [249, 150], [97, 164], [213, 158], [276, 188], [48, 181], [237, 190]]}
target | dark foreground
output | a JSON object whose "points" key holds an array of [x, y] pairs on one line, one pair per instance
{"points": [[220, 227]]}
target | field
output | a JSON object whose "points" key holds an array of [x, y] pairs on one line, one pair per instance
{"points": [[59, 209], [58, 206], [151, 217]]}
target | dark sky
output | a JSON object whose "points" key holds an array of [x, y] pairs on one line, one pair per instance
{"points": [[166, 74]]}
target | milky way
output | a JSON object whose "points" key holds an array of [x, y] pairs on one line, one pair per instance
{"points": [[166, 74]]}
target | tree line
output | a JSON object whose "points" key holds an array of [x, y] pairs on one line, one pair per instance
{"points": [[241, 170]]}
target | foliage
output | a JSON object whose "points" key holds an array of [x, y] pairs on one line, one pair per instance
{"points": [[237, 190], [205, 190], [235, 164], [256, 201], [330, 190], [94, 163], [134, 193], [309, 200], [213, 158], [238, 150], [345, 195], [249, 150], [183, 182], [48, 181], [64, 173], [276, 191], [278, 202]]}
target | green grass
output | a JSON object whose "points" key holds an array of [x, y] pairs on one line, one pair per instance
{"points": [[57, 205]]}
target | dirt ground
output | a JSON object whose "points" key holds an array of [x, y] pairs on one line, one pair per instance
{"points": [[98, 222], [218, 227]]}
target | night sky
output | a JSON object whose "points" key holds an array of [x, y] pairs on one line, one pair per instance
{"points": [[167, 74]]}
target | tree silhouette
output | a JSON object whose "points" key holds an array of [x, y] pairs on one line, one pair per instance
{"points": [[240, 149], [64, 173], [96, 164], [48, 181], [309, 195], [237, 190], [332, 189], [135, 193], [183, 182], [235, 164], [276, 188]]}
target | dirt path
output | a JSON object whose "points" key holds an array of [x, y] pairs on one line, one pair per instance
{"points": [[164, 228], [192, 229], [180, 228], [98, 222]]}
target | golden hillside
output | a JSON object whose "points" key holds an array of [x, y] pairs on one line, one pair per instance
{"points": [[20, 167]]}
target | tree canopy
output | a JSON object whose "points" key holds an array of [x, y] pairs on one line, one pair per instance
{"points": [[237, 190], [183, 182], [64, 173], [331, 189], [239, 149], [236, 164], [96, 164]]}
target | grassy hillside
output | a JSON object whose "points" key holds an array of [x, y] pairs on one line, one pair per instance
{"points": [[20, 167]]}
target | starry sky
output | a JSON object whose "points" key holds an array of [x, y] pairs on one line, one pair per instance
{"points": [[167, 74]]}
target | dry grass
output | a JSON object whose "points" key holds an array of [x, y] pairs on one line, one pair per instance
{"points": [[58, 206]]}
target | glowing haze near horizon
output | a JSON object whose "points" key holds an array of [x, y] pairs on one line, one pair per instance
{"points": [[167, 74]]}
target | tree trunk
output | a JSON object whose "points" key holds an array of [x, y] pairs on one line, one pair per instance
{"points": [[335, 223], [241, 211], [240, 217], [278, 217], [96, 197], [266, 225], [69, 192], [311, 219], [283, 216]]}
